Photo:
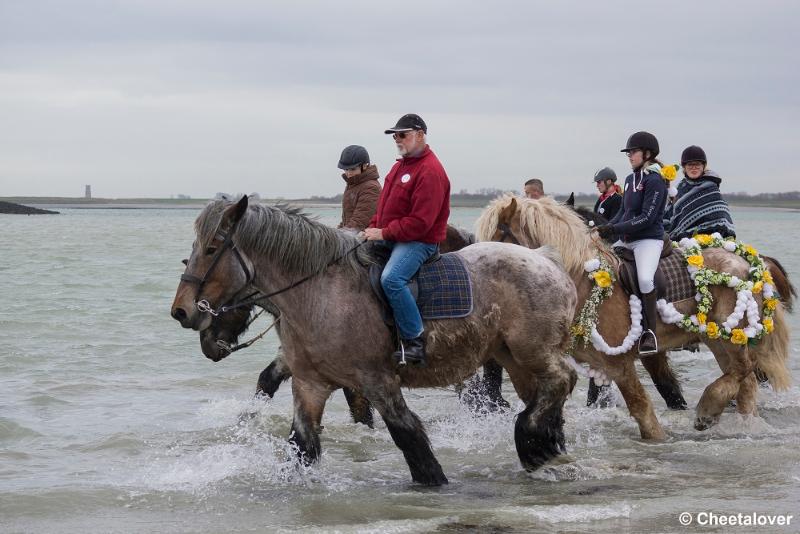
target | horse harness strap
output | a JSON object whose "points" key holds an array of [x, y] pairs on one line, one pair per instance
{"points": [[506, 233], [226, 244], [205, 306]]}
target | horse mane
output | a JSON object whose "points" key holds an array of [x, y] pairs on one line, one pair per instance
{"points": [[544, 222], [298, 243]]}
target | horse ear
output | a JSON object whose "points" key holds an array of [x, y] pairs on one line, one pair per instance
{"points": [[571, 200], [508, 212], [233, 213]]}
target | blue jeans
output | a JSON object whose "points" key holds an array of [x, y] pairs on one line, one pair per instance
{"points": [[403, 264]]}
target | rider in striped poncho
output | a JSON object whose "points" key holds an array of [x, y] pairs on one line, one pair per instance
{"points": [[698, 207]]}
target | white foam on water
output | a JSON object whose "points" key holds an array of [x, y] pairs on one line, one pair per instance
{"points": [[567, 468], [687, 357], [465, 432], [571, 513], [400, 526], [253, 449]]}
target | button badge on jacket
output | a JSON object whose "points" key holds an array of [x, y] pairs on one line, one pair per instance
{"points": [[405, 178]]}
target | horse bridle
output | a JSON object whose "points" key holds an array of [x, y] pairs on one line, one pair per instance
{"points": [[204, 306], [227, 243], [506, 233]]}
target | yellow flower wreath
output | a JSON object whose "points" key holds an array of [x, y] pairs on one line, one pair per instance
{"points": [[695, 260], [602, 278], [738, 337], [712, 330]]}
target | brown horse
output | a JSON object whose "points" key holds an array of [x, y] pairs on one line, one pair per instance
{"points": [[483, 393], [545, 222], [333, 335]]}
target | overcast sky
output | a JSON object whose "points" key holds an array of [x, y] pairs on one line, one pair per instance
{"points": [[152, 99]]}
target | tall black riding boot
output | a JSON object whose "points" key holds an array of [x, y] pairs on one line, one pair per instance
{"points": [[648, 344], [411, 352]]}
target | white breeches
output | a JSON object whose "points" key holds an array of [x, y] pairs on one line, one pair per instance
{"points": [[647, 253]]}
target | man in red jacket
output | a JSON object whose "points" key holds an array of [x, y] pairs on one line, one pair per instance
{"points": [[412, 218]]}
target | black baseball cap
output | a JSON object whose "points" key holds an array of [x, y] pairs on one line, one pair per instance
{"points": [[407, 123]]}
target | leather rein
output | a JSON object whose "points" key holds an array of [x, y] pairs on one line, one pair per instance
{"points": [[227, 243]]}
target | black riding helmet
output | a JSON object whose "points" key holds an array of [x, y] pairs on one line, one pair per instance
{"points": [[353, 156], [642, 141], [693, 153], [606, 173]]}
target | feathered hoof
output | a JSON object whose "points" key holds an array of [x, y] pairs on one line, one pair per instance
{"points": [[433, 476], [705, 422], [536, 446]]}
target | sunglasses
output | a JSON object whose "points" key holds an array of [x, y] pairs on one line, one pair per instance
{"points": [[402, 135]]}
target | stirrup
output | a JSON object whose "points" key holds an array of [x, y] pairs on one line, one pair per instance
{"points": [[655, 339], [402, 361]]}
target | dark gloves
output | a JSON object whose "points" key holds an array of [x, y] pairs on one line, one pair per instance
{"points": [[605, 230]]}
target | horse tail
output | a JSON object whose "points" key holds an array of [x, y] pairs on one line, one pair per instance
{"points": [[785, 288], [772, 353]]}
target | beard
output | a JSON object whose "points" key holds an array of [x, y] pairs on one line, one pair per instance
{"points": [[401, 150]]}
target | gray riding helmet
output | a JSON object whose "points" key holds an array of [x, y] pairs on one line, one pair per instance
{"points": [[353, 156], [606, 173]]}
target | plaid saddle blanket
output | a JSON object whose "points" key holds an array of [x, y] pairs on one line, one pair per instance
{"points": [[678, 285], [672, 279], [442, 288], [445, 289]]}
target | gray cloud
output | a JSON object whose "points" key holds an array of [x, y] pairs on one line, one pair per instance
{"points": [[152, 98]]}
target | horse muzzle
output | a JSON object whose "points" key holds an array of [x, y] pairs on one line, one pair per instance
{"points": [[213, 348], [191, 318]]}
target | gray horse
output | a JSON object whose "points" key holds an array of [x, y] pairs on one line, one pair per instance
{"points": [[333, 334]]}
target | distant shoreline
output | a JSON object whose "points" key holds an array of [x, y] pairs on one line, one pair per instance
{"points": [[192, 203]]}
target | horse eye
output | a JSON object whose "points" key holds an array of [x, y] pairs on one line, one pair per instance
{"points": [[185, 262], [211, 250]]}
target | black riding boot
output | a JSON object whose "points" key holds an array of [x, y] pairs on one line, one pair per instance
{"points": [[411, 352], [648, 344]]}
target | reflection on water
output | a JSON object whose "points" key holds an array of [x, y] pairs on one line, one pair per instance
{"points": [[112, 421]]}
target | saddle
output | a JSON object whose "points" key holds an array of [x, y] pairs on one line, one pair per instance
{"points": [[627, 270], [442, 287]]}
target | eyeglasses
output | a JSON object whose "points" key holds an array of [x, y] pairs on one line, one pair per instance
{"points": [[401, 135], [694, 164]]}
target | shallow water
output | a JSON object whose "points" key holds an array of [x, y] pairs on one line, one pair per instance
{"points": [[111, 420]]}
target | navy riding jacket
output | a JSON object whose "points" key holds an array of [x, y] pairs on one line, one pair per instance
{"points": [[643, 205]]}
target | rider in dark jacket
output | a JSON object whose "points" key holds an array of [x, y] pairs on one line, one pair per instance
{"points": [[639, 225], [610, 200]]}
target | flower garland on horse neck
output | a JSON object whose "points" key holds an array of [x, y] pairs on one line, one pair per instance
{"points": [[760, 281], [585, 326]]}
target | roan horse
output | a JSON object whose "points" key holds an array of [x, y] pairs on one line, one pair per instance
{"points": [[333, 334], [545, 222], [221, 338]]}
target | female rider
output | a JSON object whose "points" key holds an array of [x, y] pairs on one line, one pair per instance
{"points": [[639, 225]]}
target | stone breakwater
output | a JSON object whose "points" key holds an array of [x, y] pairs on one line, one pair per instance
{"points": [[19, 209]]}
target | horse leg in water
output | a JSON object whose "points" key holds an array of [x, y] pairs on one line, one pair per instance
{"points": [[493, 383], [737, 365], [543, 387], [599, 396], [406, 430], [273, 376], [665, 380], [278, 372], [483, 393], [310, 396], [622, 370], [360, 407]]}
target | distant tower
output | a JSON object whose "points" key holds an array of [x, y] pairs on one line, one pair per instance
{"points": [[88, 193]]}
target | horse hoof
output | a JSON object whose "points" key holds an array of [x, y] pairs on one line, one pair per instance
{"points": [[705, 422], [430, 479]]}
